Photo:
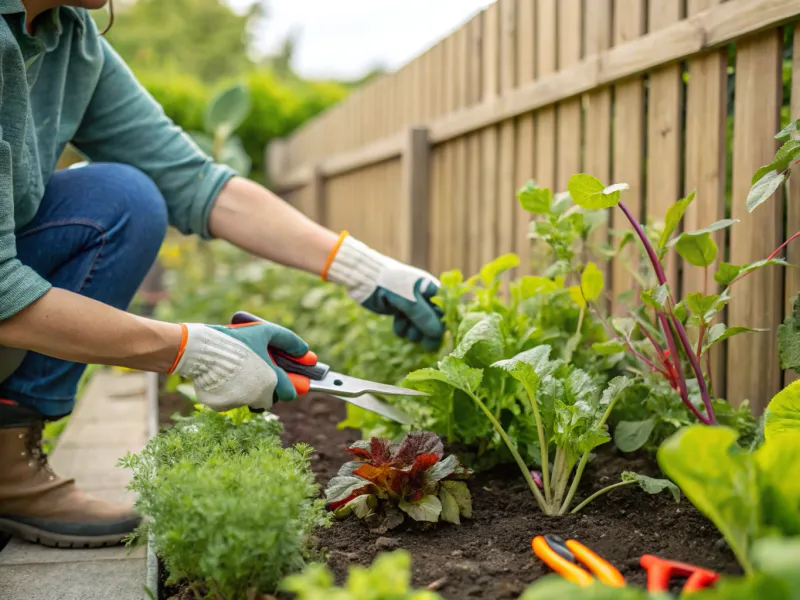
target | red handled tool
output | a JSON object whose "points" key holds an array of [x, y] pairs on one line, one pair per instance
{"points": [[307, 374], [661, 571]]}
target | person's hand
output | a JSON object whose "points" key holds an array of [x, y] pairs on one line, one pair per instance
{"points": [[230, 366], [388, 287]]}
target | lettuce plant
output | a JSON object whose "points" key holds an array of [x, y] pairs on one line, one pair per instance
{"points": [[555, 408], [749, 496], [388, 578], [387, 480]]}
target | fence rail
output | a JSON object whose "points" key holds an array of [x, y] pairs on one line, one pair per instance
{"points": [[665, 95]]}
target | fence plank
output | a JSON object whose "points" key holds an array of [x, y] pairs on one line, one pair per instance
{"points": [[474, 145], [664, 131], [458, 213], [753, 368], [706, 114], [792, 276], [447, 228], [489, 141], [524, 169], [568, 128]]}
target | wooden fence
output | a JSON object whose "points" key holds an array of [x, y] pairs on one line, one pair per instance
{"points": [[423, 164]]}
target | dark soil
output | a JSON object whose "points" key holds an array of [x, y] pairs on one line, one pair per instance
{"points": [[490, 556]]}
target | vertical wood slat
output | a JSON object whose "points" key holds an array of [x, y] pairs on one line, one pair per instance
{"points": [[447, 205], [545, 118], [413, 225], [706, 114], [664, 132], [474, 145], [792, 277], [628, 132], [458, 213], [753, 367], [524, 167], [505, 201], [597, 120], [568, 128], [489, 141]]}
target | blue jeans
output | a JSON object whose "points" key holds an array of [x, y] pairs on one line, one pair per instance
{"points": [[97, 233]]}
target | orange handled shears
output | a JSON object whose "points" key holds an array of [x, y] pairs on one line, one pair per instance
{"points": [[563, 556]]}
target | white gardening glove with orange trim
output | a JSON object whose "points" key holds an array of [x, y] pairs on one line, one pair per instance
{"points": [[231, 367], [388, 287]]}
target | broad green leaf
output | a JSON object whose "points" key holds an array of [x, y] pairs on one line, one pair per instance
{"points": [[783, 159], [340, 488], [715, 226], [700, 305], [227, 110], [657, 298], [680, 312], [697, 249], [450, 511], [555, 587], [443, 468], [791, 131], [719, 333], [428, 509], [783, 413], [609, 347], [530, 366], [360, 506], [763, 189], [532, 286], [726, 273], [616, 389], [629, 436], [653, 486], [451, 278], [591, 282], [789, 338], [460, 492], [452, 371], [534, 199], [589, 192], [779, 557], [492, 270], [483, 342], [674, 215]]}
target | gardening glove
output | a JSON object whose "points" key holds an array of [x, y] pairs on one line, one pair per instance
{"points": [[230, 366], [388, 287]]}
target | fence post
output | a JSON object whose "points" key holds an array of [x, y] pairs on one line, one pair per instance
{"points": [[317, 209], [414, 223], [276, 156]]}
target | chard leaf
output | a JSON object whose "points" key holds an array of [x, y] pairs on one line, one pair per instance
{"points": [[715, 226], [674, 215], [697, 249], [443, 468], [782, 416], [469, 321], [428, 509], [534, 199], [579, 387], [494, 269], [348, 468], [617, 388], [719, 333], [452, 371], [529, 365], [657, 298], [460, 492], [531, 286], [609, 347], [589, 192], [415, 444], [483, 342], [763, 189], [450, 512], [701, 305], [789, 338], [629, 436], [653, 486], [340, 488], [361, 506]]}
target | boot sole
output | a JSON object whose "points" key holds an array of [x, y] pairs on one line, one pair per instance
{"points": [[57, 540]]}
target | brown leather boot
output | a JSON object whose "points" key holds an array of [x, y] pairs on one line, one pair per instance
{"points": [[39, 506]]}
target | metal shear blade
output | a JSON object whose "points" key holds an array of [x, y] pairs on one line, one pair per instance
{"points": [[350, 387]]}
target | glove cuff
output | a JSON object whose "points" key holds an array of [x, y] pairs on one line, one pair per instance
{"points": [[355, 266]]}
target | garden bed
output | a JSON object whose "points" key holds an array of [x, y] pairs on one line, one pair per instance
{"points": [[490, 556]]}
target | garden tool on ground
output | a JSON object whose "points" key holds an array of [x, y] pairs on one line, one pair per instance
{"points": [[563, 556], [307, 374]]}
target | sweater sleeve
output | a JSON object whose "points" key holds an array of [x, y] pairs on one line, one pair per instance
{"points": [[125, 124], [19, 285]]}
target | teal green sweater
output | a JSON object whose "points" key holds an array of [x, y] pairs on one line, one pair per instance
{"points": [[65, 84]]}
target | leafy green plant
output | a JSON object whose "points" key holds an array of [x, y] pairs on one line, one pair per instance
{"points": [[224, 114], [388, 578], [557, 408], [229, 509], [387, 480], [769, 178], [748, 495]]}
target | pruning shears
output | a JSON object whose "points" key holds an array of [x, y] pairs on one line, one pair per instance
{"points": [[307, 374], [563, 557]]}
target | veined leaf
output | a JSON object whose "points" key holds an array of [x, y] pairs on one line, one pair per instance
{"points": [[450, 512], [452, 371], [460, 492], [719, 333], [428, 509], [727, 273], [341, 487], [629, 436], [653, 486], [715, 226], [782, 416], [791, 131], [657, 298], [609, 347], [674, 215], [783, 158], [361, 506], [701, 305], [763, 189], [483, 341], [589, 192], [697, 249], [534, 199]]}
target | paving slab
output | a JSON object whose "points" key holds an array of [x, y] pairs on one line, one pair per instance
{"points": [[110, 420]]}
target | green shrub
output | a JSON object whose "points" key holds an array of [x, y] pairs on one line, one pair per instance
{"points": [[229, 507]]}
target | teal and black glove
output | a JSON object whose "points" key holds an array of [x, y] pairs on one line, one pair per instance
{"points": [[388, 287]]}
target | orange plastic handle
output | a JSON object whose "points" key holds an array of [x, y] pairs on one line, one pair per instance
{"points": [[661, 571], [560, 565], [302, 385], [603, 570]]}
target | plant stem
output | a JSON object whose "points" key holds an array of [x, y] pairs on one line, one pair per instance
{"points": [[559, 473], [605, 490], [575, 481], [542, 442], [708, 369], [580, 318], [700, 339], [771, 256], [711, 418], [521, 463]]}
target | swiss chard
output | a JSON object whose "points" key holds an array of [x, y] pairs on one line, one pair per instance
{"points": [[389, 479]]}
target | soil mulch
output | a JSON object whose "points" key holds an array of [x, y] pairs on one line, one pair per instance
{"points": [[490, 556]]}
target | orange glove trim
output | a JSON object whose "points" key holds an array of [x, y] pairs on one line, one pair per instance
{"points": [[332, 255], [184, 338]]}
